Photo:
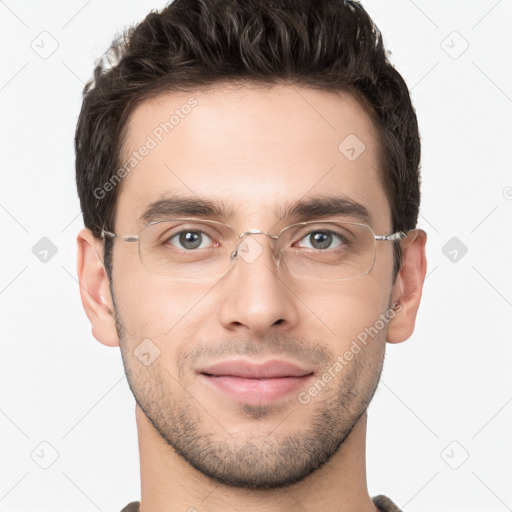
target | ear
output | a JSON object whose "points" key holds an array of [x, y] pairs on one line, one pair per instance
{"points": [[408, 286], [94, 289]]}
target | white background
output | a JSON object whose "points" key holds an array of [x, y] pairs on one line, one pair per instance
{"points": [[445, 394]]}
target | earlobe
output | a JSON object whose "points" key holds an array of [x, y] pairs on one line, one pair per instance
{"points": [[408, 286], [94, 289]]}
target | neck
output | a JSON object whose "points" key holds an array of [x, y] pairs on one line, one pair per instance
{"points": [[169, 483]]}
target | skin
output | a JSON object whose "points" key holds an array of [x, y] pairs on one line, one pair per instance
{"points": [[252, 147]]}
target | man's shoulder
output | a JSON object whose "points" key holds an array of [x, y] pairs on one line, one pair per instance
{"points": [[132, 507], [383, 503]]}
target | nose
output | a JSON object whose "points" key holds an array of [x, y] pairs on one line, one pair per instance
{"points": [[257, 298]]}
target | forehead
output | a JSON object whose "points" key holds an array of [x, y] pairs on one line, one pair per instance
{"points": [[250, 149]]}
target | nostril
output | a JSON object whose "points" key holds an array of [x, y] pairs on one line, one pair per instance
{"points": [[277, 322]]}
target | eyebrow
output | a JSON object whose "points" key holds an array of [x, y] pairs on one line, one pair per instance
{"points": [[312, 208]]}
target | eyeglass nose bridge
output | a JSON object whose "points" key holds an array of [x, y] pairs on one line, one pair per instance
{"points": [[242, 236]]}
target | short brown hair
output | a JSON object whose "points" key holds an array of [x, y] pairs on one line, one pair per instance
{"points": [[330, 45]]}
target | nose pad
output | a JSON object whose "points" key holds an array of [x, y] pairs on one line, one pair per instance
{"points": [[250, 249]]}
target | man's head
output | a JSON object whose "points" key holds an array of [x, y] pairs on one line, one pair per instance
{"points": [[245, 113]]}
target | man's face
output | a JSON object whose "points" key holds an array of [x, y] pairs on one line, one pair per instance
{"points": [[255, 151]]}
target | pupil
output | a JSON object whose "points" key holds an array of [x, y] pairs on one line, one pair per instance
{"points": [[321, 240], [190, 239]]}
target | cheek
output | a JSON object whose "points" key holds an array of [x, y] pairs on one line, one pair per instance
{"points": [[347, 309], [152, 306]]}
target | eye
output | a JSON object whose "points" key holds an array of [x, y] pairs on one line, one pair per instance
{"points": [[322, 239], [190, 239]]}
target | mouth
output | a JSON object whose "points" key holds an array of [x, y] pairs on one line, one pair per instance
{"points": [[256, 384]]}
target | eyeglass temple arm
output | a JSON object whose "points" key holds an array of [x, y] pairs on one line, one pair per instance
{"points": [[130, 238], [107, 234], [395, 236]]}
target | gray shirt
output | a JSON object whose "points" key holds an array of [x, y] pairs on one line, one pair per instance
{"points": [[383, 503]]}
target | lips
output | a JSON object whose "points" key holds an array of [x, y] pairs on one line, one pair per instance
{"points": [[248, 370], [256, 383]]}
